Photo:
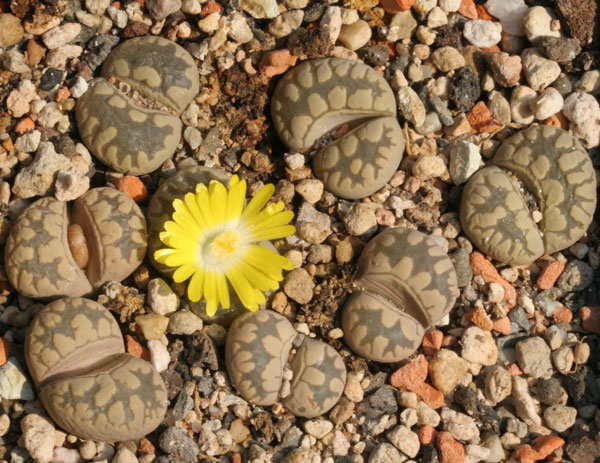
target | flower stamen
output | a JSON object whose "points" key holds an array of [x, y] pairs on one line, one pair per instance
{"points": [[225, 245]]}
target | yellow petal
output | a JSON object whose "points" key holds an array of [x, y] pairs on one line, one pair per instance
{"points": [[184, 272], [203, 201], [180, 258], [196, 285], [218, 201], [275, 233], [257, 277], [223, 291], [235, 199], [211, 307], [241, 286], [258, 202]]}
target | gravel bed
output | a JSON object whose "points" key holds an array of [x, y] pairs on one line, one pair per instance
{"points": [[512, 373]]}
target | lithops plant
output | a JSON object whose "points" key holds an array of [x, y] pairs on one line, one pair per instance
{"points": [[320, 95], [407, 283], [88, 384], [256, 352], [54, 250], [557, 170], [138, 135]]}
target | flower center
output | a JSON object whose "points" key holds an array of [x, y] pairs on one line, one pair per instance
{"points": [[225, 245]]}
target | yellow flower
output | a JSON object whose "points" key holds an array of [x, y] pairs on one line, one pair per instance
{"points": [[211, 239]]}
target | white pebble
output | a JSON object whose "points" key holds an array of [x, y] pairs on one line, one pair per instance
{"points": [[465, 159], [483, 34], [520, 104], [510, 13], [538, 23], [159, 356], [547, 104]]}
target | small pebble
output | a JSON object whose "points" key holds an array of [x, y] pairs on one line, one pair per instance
{"points": [[184, 322], [559, 418], [482, 34], [478, 346], [161, 299], [38, 437], [356, 35], [533, 355], [404, 440]]}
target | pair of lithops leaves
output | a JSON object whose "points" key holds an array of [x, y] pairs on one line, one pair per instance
{"points": [[557, 171], [56, 250], [406, 284], [323, 94], [257, 350], [90, 387], [137, 135]]}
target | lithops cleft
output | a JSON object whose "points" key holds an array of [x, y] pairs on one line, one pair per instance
{"points": [[118, 129], [54, 250], [557, 170], [257, 350], [407, 283], [320, 95], [88, 384]]}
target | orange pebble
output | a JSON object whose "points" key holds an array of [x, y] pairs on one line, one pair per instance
{"points": [[24, 125], [590, 318], [525, 454], [481, 119], [514, 370], [450, 450], [479, 317], [483, 267], [562, 314], [63, 93], [492, 49], [483, 14], [432, 342], [430, 395], [427, 435], [236, 458], [136, 349], [411, 375], [5, 348], [545, 445], [557, 120], [276, 62], [502, 325], [210, 7], [133, 187], [550, 274], [468, 9]]}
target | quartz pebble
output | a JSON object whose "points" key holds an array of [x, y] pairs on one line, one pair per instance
{"points": [[447, 59], [483, 34], [510, 13], [161, 299], [498, 384], [184, 322], [446, 369], [533, 355], [521, 99], [538, 23], [478, 346], [539, 71], [14, 385], [38, 437], [427, 167], [547, 104], [524, 403], [411, 106], [402, 26], [465, 159], [461, 426], [404, 440], [385, 453], [360, 219], [559, 418], [355, 35], [583, 111]]}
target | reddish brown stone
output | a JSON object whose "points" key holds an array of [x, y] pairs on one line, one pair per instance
{"points": [[432, 342], [412, 375], [590, 318], [468, 9], [427, 435], [450, 450], [395, 6], [550, 274], [277, 62], [483, 267], [502, 325], [479, 317], [562, 314]]}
